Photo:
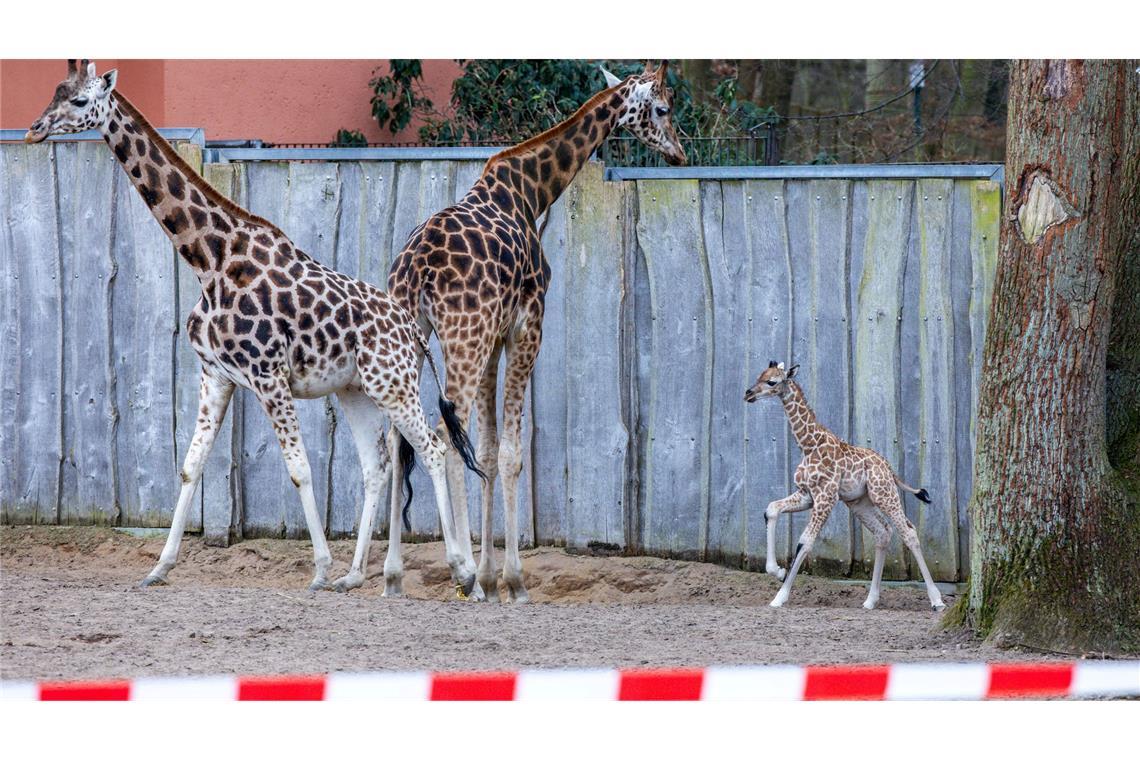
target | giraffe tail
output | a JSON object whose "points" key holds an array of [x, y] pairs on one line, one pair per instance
{"points": [[920, 493]]}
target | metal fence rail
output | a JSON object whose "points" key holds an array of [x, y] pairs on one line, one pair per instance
{"points": [[669, 295]]}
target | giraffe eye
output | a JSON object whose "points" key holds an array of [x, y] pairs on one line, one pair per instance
{"points": [[80, 102], [771, 382], [662, 110]]}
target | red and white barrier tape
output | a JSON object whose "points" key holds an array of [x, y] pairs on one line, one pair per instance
{"points": [[769, 682]]}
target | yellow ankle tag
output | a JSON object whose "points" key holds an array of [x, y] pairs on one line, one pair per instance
{"points": [[459, 592]]}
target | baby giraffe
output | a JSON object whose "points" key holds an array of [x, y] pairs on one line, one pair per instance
{"points": [[833, 469]]}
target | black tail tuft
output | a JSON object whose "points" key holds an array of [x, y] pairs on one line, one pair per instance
{"points": [[408, 462], [459, 437], [923, 495]]}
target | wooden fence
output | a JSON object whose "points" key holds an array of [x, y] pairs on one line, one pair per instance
{"points": [[669, 297]]}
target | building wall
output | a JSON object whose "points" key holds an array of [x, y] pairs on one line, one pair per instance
{"points": [[303, 101]]}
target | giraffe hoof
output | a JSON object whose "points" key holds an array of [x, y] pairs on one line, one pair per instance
{"points": [[320, 584], [938, 607], [781, 597], [869, 604], [348, 583], [394, 587], [152, 580], [781, 573]]}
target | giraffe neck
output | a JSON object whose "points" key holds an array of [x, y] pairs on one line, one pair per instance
{"points": [[807, 430], [195, 216], [541, 168]]}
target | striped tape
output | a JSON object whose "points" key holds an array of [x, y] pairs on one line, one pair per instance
{"points": [[768, 682]]}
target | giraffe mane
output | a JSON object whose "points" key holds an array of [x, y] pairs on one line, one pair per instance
{"points": [[172, 155], [530, 143]]}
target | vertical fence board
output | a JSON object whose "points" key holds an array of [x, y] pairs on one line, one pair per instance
{"points": [[961, 375], [827, 371], [549, 384], [730, 270], [144, 329], [86, 186], [985, 221], [937, 523], [31, 448], [877, 313], [597, 439], [770, 445], [669, 233]]}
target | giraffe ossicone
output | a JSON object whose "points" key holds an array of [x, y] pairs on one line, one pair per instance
{"points": [[277, 322], [832, 469]]}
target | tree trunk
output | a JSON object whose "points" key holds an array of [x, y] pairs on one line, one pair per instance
{"points": [[698, 73], [1055, 549]]}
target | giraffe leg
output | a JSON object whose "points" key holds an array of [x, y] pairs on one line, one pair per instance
{"points": [[819, 514], [394, 560], [881, 530], [366, 422], [487, 456], [214, 396], [797, 502], [885, 495], [521, 355], [277, 400]]}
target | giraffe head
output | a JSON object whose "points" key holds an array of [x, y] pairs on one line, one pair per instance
{"points": [[647, 111], [773, 381], [81, 102]]}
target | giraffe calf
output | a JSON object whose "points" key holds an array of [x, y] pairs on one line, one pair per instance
{"points": [[833, 469]]}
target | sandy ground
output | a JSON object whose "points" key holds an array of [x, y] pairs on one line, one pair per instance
{"points": [[69, 608]]}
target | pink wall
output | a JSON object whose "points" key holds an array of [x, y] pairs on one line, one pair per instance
{"points": [[274, 100]]}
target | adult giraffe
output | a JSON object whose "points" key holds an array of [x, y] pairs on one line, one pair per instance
{"points": [[273, 320], [475, 274]]}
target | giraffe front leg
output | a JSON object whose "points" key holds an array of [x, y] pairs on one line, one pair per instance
{"points": [[820, 511], [214, 396], [277, 401], [797, 502]]}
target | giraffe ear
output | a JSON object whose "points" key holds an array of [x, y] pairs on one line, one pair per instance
{"points": [[792, 371], [90, 66], [771, 363], [109, 80], [780, 366], [611, 80]]}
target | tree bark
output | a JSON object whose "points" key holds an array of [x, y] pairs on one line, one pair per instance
{"points": [[1055, 548], [698, 73]]}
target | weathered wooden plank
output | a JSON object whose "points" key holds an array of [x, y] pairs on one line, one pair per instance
{"points": [[985, 220], [770, 445], [87, 176], [938, 522], [907, 372], [826, 327], [797, 217], [222, 515], [548, 386], [961, 277], [878, 310], [727, 242], [597, 440], [676, 484], [31, 446], [144, 329]]}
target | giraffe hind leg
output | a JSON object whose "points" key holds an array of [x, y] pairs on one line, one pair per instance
{"points": [[880, 529], [886, 497], [487, 456]]}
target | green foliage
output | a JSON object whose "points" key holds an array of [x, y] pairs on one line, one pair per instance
{"points": [[350, 138], [395, 100]]}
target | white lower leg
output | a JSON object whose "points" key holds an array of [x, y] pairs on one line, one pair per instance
{"points": [[510, 465], [786, 589], [487, 573], [169, 555], [931, 590], [462, 567], [877, 574], [322, 558], [457, 493], [771, 516], [394, 560], [359, 570]]}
